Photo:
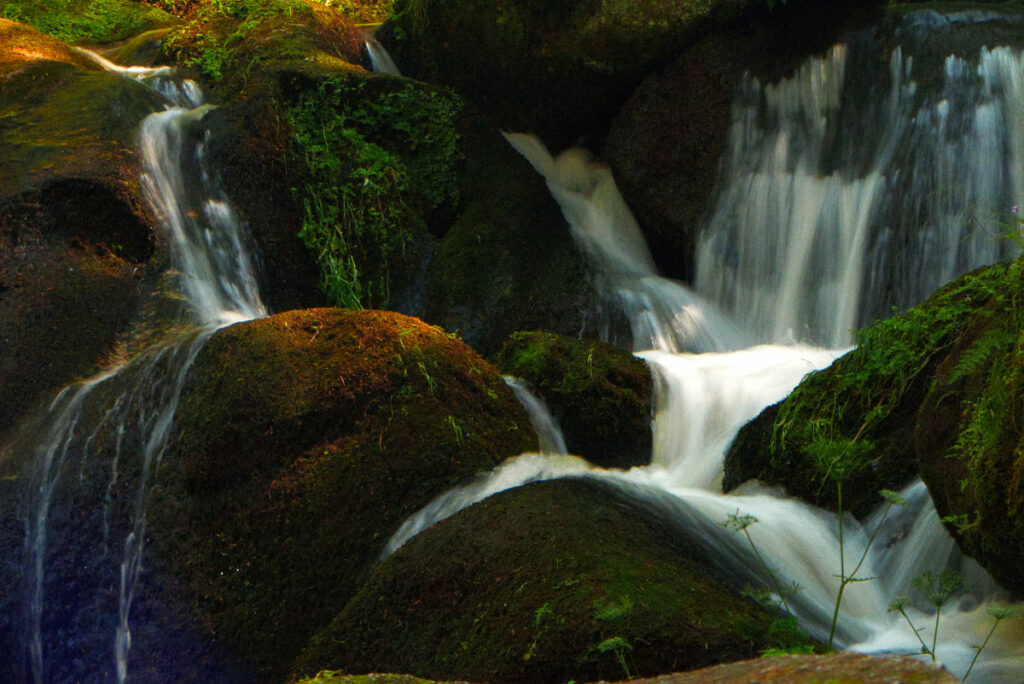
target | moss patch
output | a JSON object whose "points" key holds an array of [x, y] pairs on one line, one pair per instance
{"points": [[302, 441], [382, 155], [600, 395], [86, 21], [552, 581], [855, 420]]}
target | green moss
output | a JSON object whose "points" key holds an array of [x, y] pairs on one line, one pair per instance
{"points": [[86, 21], [600, 395], [855, 420], [548, 582], [378, 163]]}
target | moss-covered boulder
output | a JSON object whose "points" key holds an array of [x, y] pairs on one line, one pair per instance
{"points": [[75, 233], [301, 443], [560, 580], [599, 394], [969, 439], [855, 421], [561, 69]]}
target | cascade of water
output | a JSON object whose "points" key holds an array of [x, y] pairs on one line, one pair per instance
{"points": [[380, 60], [132, 420], [662, 314], [838, 168]]}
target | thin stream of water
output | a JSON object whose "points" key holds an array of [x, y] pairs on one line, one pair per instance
{"points": [[213, 271]]}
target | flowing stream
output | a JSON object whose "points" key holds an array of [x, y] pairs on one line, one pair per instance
{"points": [[843, 193], [126, 412]]}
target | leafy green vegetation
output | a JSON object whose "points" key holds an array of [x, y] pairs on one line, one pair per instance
{"points": [[85, 21], [378, 163], [852, 421]]}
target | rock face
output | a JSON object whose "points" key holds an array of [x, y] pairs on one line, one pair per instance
{"points": [[508, 262], [931, 392], [968, 438], [74, 233], [568, 579], [302, 441], [558, 69], [600, 395]]}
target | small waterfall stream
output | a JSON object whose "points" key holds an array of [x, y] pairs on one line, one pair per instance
{"points": [[814, 233], [126, 412]]}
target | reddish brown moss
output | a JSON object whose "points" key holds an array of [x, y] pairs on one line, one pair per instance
{"points": [[302, 441]]}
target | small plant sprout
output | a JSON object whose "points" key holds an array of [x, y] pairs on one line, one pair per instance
{"points": [[998, 613], [742, 523], [938, 589]]}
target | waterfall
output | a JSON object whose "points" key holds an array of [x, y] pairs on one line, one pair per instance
{"points": [[380, 60], [833, 207], [126, 412], [662, 313], [850, 188]]}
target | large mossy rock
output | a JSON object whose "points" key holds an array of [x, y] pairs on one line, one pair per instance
{"points": [[75, 236], [600, 395], [301, 442], [554, 581], [847, 668], [855, 421], [969, 439]]}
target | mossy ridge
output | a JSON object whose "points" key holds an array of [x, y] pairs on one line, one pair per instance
{"points": [[293, 467], [860, 412], [382, 157], [600, 395], [329, 677], [86, 21], [549, 573], [237, 44], [968, 436]]}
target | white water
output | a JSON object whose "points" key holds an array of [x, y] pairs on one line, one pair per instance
{"points": [[380, 60], [847, 191], [549, 434], [798, 256], [213, 272]]}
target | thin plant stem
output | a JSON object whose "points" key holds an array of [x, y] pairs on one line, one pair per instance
{"points": [[924, 646], [842, 565], [935, 636], [768, 571], [981, 648]]}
